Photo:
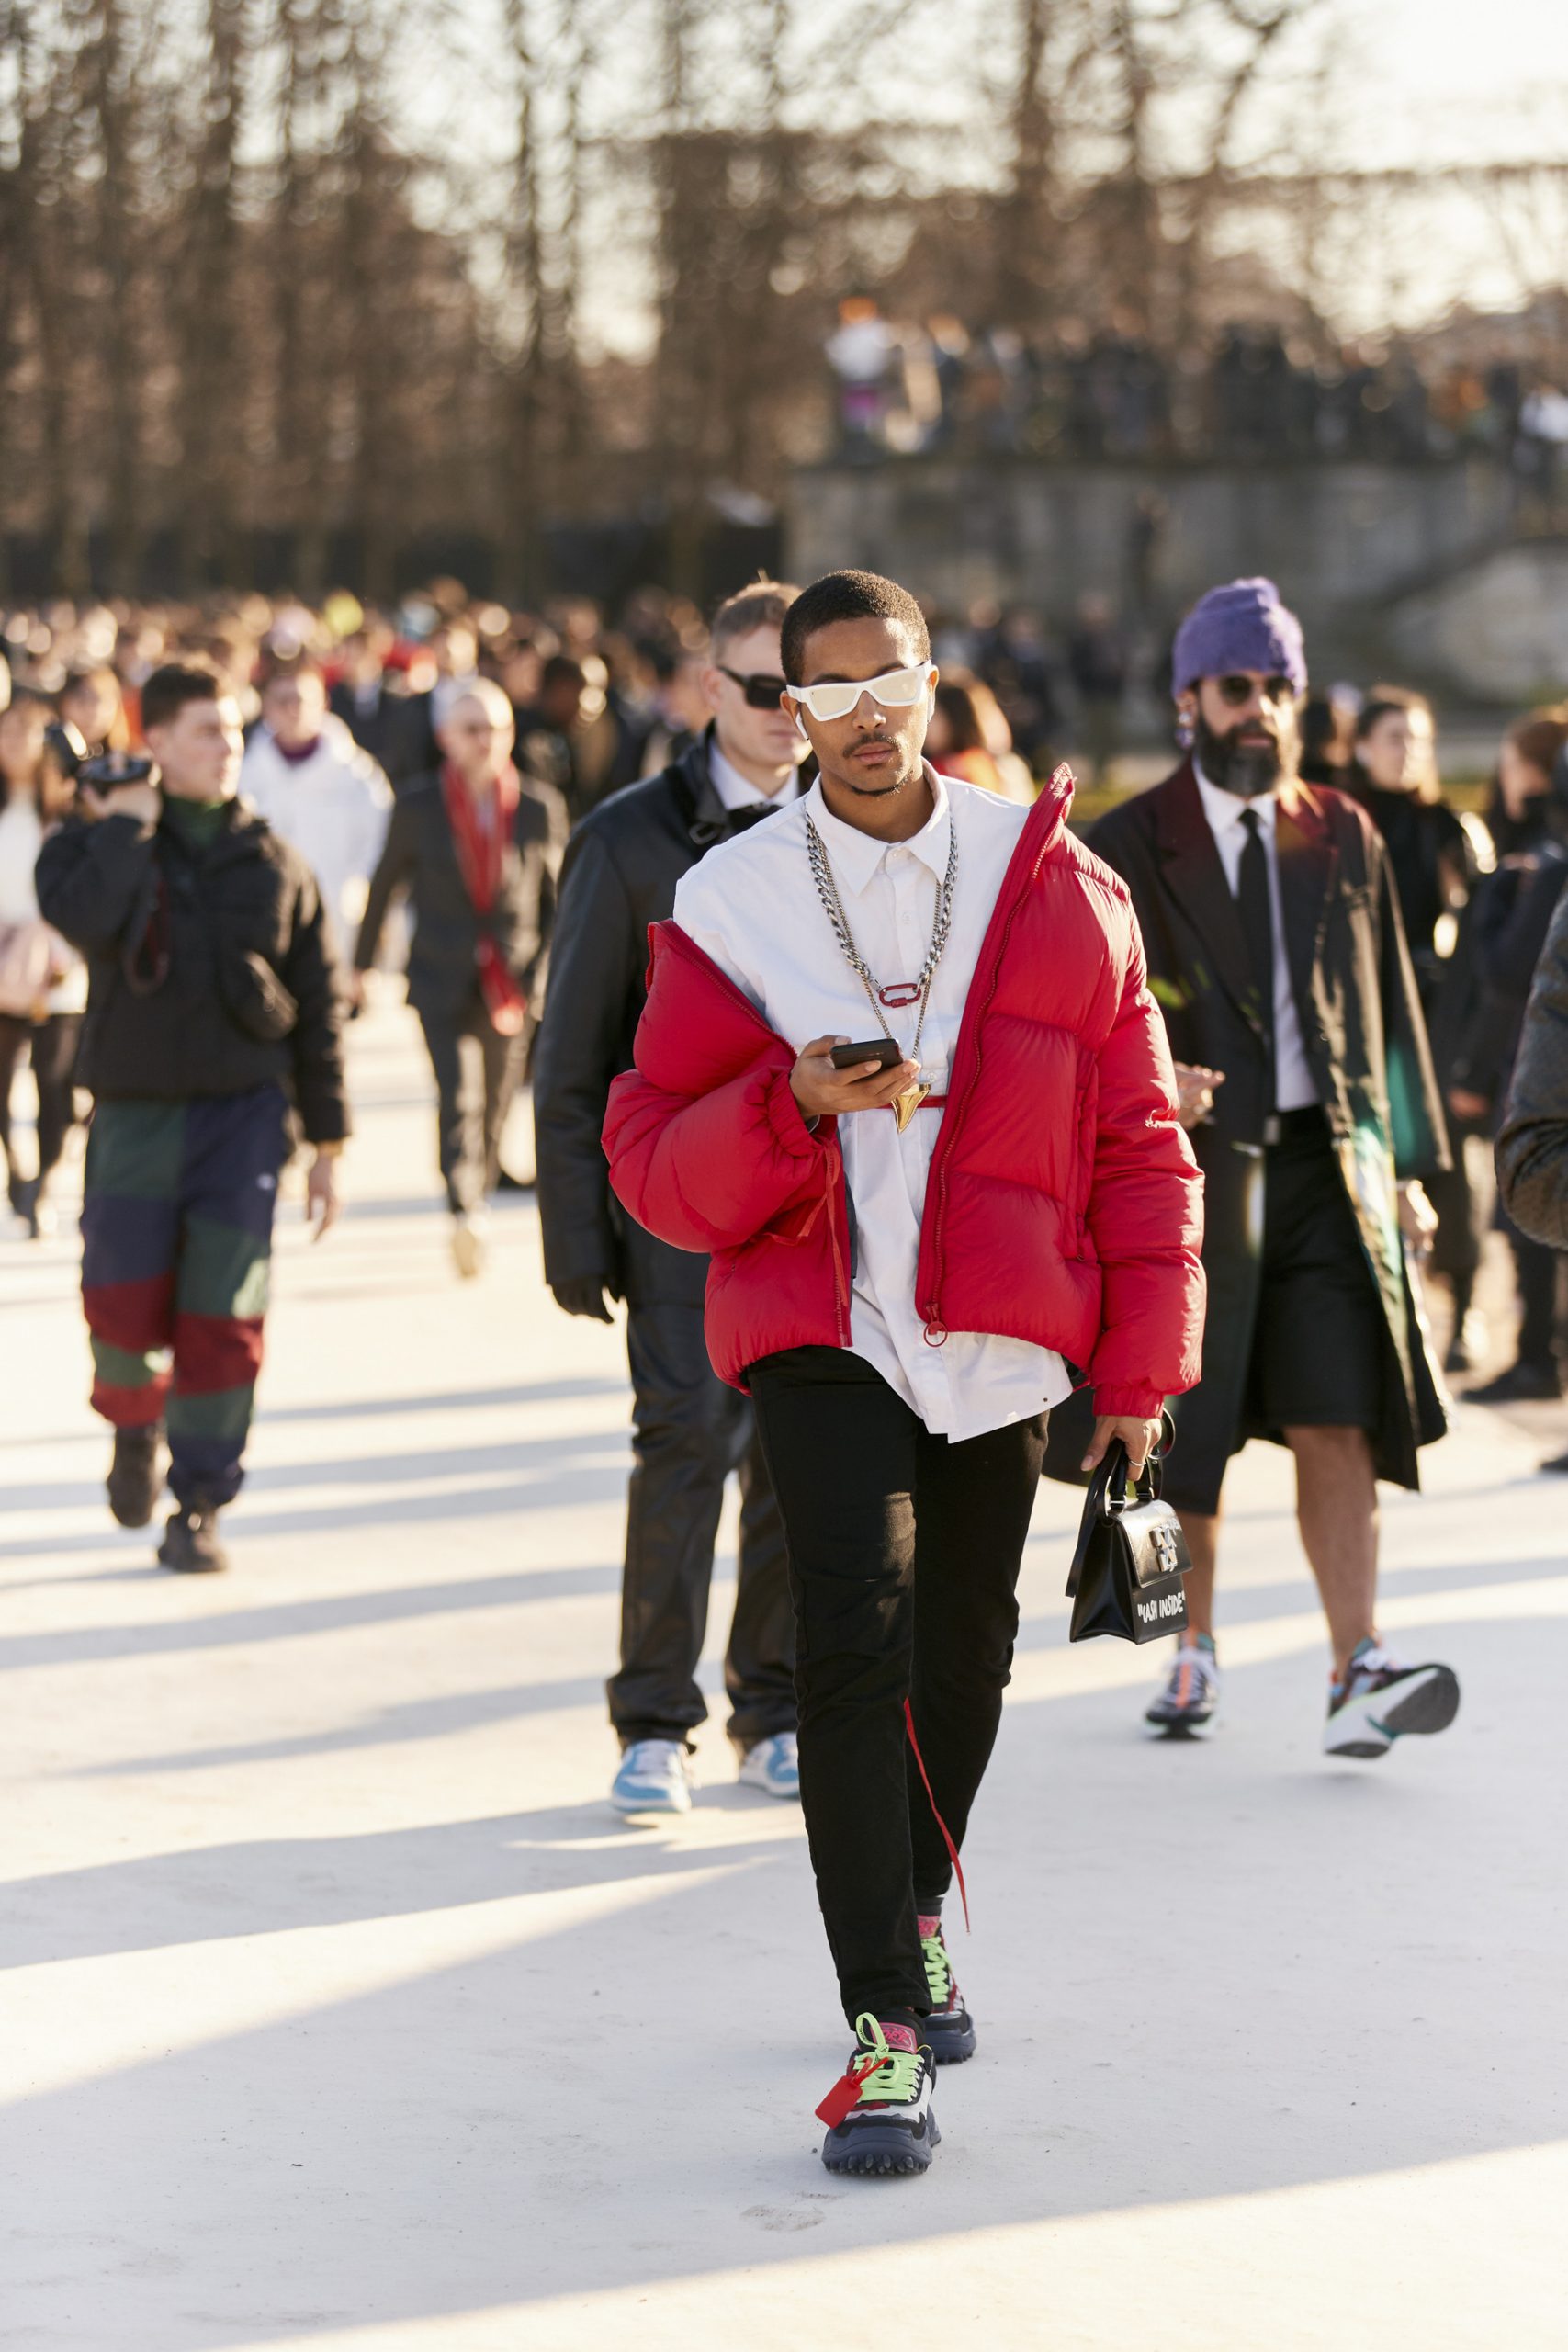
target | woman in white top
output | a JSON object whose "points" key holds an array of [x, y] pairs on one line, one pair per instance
{"points": [[43, 982]]}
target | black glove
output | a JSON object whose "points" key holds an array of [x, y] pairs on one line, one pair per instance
{"points": [[584, 1295]]}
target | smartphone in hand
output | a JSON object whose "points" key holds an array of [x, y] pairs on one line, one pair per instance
{"points": [[884, 1051]]}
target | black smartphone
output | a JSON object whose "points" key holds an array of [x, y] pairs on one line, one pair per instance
{"points": [[884, 1051]]}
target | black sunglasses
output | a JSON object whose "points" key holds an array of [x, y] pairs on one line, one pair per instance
{"points": [[761, 690], [1236, 690]]}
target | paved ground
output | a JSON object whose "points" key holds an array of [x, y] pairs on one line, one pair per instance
{"points": [[339, 2010]]}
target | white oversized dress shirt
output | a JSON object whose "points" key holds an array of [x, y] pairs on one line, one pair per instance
{"points": [[737, 792], [1295, 1086], [753, 907]]}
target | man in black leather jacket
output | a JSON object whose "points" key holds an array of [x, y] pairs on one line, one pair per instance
{"points": [[688, 1430]]}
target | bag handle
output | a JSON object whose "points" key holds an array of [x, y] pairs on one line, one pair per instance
{"points": [[1113, 1497]]}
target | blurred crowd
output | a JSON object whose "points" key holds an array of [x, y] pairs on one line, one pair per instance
{"points": [[342, 708], [937, 386]]}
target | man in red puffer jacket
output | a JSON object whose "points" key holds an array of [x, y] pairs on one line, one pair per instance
{"points": [[907, 1254]]}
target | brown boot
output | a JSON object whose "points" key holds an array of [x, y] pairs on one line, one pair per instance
{"points": [[190, 1543], [136, 1473]]}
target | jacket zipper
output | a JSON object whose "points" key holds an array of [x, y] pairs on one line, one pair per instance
{"points": [[1001, 930]]}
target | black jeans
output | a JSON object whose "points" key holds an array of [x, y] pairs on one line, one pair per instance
{"points": [[477, 1070], [690, 1429], [904, 1555], [51, 1044]]}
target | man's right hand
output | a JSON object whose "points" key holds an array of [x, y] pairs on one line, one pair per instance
{"points": [[583, 1295], [1195, 1092], [824, 1092], [142, 801]]}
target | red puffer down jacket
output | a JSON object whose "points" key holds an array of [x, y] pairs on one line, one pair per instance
{"points": [[1063, 1206]]}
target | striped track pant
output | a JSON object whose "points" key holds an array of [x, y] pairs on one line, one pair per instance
{"points": [[176, 1231]]}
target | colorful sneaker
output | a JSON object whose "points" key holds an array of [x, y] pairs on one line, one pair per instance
{"points": [[949, 2029], [1380, 1700], [772, 1765], [1192, 1692], [879, 2111], [652, 1778]]}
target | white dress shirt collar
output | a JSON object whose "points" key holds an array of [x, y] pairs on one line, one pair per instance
{"points": [[855, 856], [737, 791]]}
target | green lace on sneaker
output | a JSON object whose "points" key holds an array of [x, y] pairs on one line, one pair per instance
{"points": [[896, 2076], [938, 1969]]}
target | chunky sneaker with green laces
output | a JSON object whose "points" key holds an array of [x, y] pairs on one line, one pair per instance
{"points": [[879, 2111], [949, 2029], [1381, 1699]]}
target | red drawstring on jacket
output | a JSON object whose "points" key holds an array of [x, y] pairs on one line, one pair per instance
{"points": [[946, 1832]]}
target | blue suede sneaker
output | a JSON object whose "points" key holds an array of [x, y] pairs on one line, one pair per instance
{"points": [[774, 1765], [652, 1778]]}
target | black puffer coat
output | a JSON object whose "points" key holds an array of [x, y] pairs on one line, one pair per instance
{"points": [[211, 970]]}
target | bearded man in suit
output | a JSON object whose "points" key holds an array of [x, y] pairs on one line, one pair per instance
{"points": [[1278, 958]]}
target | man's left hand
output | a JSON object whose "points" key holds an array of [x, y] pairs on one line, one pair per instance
{"points": [[1139, 1437], [321, 1203]]}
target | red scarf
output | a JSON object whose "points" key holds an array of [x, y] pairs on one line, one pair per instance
{"points": [[481, 827]]}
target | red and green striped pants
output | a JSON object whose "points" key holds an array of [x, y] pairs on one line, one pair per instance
{"points": [[176, 1232]]}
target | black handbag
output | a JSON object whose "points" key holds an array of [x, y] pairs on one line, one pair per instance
{"points": [[1126, 1577]]}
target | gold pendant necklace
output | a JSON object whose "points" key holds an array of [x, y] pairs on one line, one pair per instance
{"points": [[905, 1105]]}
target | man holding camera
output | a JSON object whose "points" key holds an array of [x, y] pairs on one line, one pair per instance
{"points": [[913, 1231], [213, 1012]]}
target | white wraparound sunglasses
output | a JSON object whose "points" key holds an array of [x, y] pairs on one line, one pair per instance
{"points": [[894, 690]]}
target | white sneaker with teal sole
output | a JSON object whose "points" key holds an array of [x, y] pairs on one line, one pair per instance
{"points": [[1381, 1698], [773, 1766], [652, 1778]]}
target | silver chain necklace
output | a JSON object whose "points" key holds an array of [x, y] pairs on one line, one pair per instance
{"points": [[917, 991]]}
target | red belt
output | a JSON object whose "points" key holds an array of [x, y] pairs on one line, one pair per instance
{"points": [[931, 1102]]}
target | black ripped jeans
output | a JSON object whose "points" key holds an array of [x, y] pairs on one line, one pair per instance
{"points": [[904, 1555]]}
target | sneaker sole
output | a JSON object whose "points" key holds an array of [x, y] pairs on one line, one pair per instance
{"points": [[881, 2148], [949, 2049], [1183, 1727], [648, 1809], [1428, 1705]]}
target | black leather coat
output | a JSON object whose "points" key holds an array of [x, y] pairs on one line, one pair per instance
{"points": [[620, 874]]}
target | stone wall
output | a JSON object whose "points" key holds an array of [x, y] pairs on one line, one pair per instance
{"points": [[1384, 563]]}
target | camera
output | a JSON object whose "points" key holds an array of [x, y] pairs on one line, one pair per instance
{"points": [[99, 771]]}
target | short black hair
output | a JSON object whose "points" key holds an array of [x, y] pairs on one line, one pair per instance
{"points": [[848, 596], [174, 683]]}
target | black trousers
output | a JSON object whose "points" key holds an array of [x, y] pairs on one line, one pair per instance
{"points": [[51, 1047], [476, 1071], [904, 1555], [690, 1429]]}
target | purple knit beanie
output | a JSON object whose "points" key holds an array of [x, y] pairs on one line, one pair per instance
{"points": [[1242, 625]]}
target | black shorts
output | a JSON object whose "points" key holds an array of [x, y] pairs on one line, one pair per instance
{"points": [[1317, 1345]]}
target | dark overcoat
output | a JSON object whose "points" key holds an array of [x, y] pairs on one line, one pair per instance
{"points": [[1366, 1043]]}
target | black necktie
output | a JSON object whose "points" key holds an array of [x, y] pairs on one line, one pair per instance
{"points": [[1257, 928]]}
